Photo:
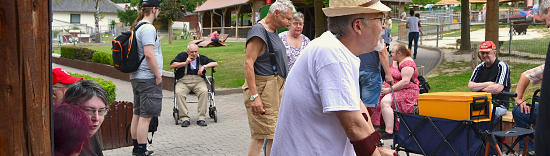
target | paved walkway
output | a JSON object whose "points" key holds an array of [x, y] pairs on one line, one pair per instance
{"points": [[428, 57], [229, 136]]}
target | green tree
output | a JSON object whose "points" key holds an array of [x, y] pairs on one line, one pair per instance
{"points": [[127, 16], [171, 9], [190, 5], [96, 19]]}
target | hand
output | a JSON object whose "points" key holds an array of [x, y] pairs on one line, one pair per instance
{"points": [[386, 151], [201, 70], [386, 91], [523, 106], [257, 106], [389, 79], [158, 79], [189, 59]]}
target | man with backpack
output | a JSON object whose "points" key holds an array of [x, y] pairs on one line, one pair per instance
{"points": [[146, 81]]}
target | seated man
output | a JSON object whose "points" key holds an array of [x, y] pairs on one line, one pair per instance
{"points": [[522, 112], [492, 76], [190, 73], [61, 80]]}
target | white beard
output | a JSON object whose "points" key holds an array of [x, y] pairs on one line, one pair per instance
{"points": [[379, 46]]}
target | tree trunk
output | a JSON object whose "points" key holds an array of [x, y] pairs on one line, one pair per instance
{"points": [[170, 31], [465, 25], [491, 24], [96, 17], [320, 18]]}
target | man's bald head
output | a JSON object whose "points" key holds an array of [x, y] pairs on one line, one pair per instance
{"points": [[192, 47]]}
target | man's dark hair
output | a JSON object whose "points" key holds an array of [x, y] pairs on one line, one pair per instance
{"points": [[411, 12], [83, 91]]}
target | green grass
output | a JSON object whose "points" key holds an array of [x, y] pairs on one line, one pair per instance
{"points": [[533, 46], [229, 73], [459, 82]]}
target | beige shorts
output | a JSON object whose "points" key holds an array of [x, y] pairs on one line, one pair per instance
{"points": [[270, 89]]}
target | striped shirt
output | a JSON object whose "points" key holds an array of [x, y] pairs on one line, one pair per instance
{"points": [[499, 73]]}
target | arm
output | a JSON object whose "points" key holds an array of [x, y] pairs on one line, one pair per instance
{"points": [[208, 65], [406, 74], [520, 89], [385, 62], [494, 88], [253, 49], [178, 62], [152, 61], [474, 87]]}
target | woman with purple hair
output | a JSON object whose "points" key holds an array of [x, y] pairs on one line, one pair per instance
{"points": [[71, 127]]}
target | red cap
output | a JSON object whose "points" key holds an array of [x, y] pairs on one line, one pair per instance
{"points": [[487, 46], [60, 75]]}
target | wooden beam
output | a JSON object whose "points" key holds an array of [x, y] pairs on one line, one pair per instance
{"points": [[237, 21], [224, 12], [25, 83], [211, 20]]}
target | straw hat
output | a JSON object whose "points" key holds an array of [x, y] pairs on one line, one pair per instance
{"points": [[350, 7]]}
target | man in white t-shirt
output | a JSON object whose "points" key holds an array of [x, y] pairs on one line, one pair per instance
{"points": [[321, 112]]}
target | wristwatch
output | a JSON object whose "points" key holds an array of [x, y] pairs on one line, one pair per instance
{"points": [[253, 97]]}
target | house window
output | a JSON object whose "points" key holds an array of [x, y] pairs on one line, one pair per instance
{"points": [[75, 18]]}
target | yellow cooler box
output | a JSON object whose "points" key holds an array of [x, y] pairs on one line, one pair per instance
{"points": [[474, 106]]}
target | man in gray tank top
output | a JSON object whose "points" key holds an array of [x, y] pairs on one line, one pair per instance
{"points": [[265, 69]]}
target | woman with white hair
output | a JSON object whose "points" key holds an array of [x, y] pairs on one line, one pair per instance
{"points": [[293, 39]]}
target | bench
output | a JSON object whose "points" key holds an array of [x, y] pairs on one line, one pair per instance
{"points": [[115, 130], [208, 43]]}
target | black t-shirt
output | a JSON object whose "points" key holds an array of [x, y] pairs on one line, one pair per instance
{"points": [[542, 139], [92, 148], [499, 73], [182, 57]]}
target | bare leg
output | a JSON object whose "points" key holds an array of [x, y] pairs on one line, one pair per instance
{"points": [[387, 113], [133, 126], [256, 147], [142, 129], [268, 147]]}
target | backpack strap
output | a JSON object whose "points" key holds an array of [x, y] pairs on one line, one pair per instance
{"points": [[271, 53]]}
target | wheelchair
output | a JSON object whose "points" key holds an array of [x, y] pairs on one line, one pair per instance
{"points": [[212, 111]]}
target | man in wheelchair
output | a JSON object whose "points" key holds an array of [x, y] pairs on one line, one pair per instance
{"points": [[190, 73], [492, 76]]}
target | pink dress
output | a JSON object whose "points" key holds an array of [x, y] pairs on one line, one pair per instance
{"points": [[406, 97]]}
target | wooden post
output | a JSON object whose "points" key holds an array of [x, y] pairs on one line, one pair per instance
{"points": [[237, 21], [211, 21], [224, 11], [320, 18], [25, 82]]}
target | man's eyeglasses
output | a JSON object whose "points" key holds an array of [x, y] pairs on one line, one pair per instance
{"points": [[91, 111], [381, 19]]}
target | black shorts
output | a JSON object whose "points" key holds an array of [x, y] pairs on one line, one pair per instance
{"points": [[147, 97]]}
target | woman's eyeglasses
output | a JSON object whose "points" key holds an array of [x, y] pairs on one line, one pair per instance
{"points": [[91, 111]]}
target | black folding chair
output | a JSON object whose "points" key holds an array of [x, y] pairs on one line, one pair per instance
{"points": [[518, 132]]}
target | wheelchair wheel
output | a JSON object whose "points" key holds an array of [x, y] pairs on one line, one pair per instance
{"points": [[175, 114], [212, 113]]}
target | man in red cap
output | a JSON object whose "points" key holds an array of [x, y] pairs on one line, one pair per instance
{"points": [[492, 76], [61, 81]]}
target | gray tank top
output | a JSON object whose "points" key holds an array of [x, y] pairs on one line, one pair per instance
{"points": [[263, 65]]}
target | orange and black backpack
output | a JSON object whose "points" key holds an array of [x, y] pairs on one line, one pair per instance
{"points": [[125, 51]]}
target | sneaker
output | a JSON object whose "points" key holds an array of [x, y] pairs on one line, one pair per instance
{"points": [[201, 123], [144, 153], [185, 123]]}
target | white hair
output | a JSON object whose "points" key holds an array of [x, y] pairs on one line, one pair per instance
{"points": [[191, 45], [298, 15], [543, 7], [282, 6]]}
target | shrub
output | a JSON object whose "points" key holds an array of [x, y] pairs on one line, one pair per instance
{"points": [[108, 85], [67, 52], [103, 58], [78, 53]]}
